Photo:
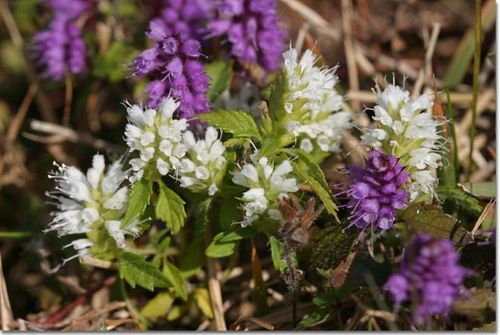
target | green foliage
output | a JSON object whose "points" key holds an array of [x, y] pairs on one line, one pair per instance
{"points": [[225, 243], [112, 65], [137, 271], [277, 249], [158, 306], [430, 219], [238, 123], [332, 245], [173, 275], [220, 73], [460, 199], [277, 97], [311, 173], [138, 200], [202, 299], [170, 208]]}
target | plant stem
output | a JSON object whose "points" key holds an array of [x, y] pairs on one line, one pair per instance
{"points": [[475, 84]]}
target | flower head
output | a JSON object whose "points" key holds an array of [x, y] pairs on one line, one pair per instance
{"points": [[89, 202], [253, 31], [69, 10], [375, 193], [200, 169], [312, 105], [430, 272], [174, 67], [407, 130], [267, 183], [184, 17], [58, 48], [157, 137]]}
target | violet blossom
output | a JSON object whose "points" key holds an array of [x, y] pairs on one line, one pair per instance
{"points": [[375, 193], [253, 31], [173, 64], [429, 273]]}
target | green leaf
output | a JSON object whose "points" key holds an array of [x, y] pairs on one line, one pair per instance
{"points": [[460, 199], [486, 190], [308, 162], [318, 187], [331, 246], [238, 123], [277, 97], [174, 276], [220, 73], [136, 271], [225, 243], [138, 200], [194, 257], [170, 208], [202, 298], [276, 254], [158, 306], [430, 219], [475, 302]]}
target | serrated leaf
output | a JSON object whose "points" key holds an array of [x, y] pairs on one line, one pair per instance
{"points": [[170, 208], [331, 246], [137, 271], [220, 73], [224, 244], [318, 187], [202, 298], [158, 306], [314, 169], [460, 199], [276, 254], [138, 200], [277, 97], [430, 219], [174, 276], [238, 123]]}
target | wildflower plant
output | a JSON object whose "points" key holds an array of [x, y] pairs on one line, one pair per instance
{"points": [[213, 161]]}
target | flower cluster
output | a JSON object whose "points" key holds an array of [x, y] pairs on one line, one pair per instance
{"points": [[157, 137], [61, 48], [174, 67], [200, 169], [267, 184], [430, 272], [375, 192], [165, 146], [184, 17], [407, 130], [253, 31], [312, 104], [90, 202]]}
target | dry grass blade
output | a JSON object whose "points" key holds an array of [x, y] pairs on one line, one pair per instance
{"points": [[215, 295], [484, 214], [5, 309], [349, 49]]}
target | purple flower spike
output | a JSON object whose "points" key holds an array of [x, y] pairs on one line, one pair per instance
{"points": [[253, 30], [174, 67], [430, 272], [60, 46], [184, 17], [68, 9], [375, 194]]}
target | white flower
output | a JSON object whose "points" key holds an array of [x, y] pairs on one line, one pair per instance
{"points": [[266, 183], [407, 130], [156, 136], [87, 201], [203, 164], [312, 104]]}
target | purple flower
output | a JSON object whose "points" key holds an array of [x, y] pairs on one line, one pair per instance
{"points": [[59, 47], [375, 194], [184, 17], [253, 31], [173, 66], [429, 273]]}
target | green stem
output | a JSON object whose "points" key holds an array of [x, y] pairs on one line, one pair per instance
{"points": [[142, 321], [14, 234], [475, 84]]}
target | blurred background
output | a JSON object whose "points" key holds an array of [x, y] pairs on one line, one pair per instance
{"points": [[427, 45]]}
